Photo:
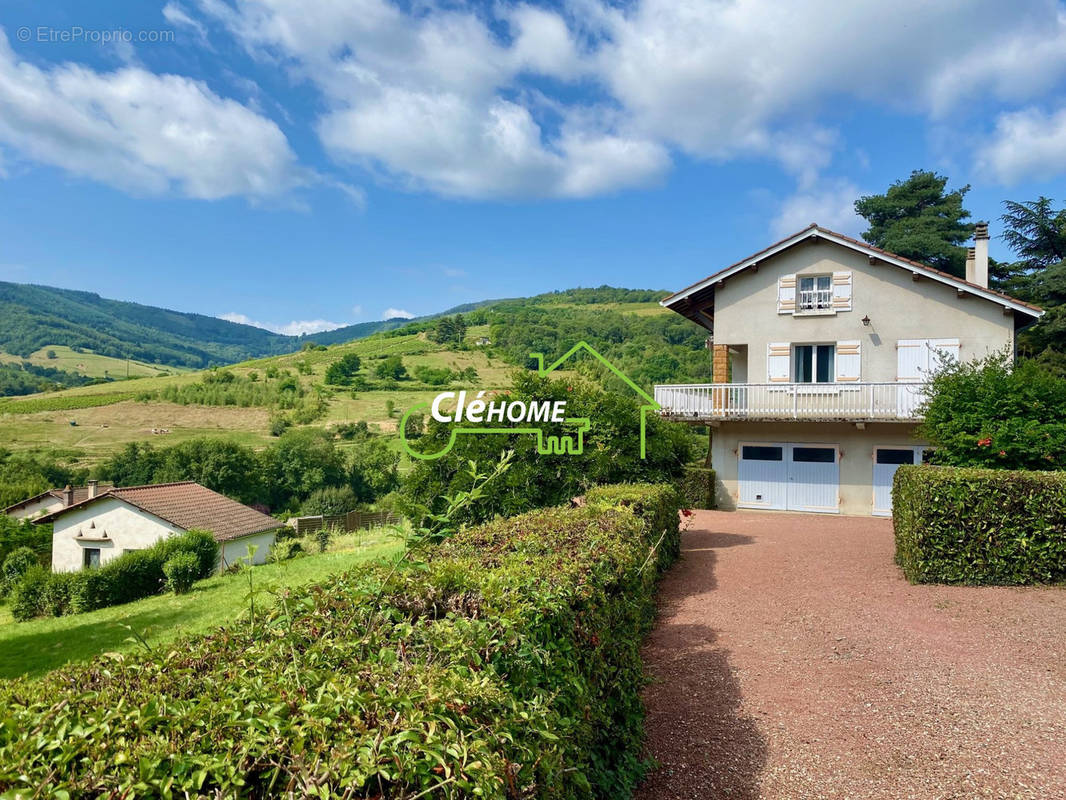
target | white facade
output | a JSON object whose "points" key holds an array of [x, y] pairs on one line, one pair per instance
{"points": [[101, 531], [38, 508], [830, 346]]}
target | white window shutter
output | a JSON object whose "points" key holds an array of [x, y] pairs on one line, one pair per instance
{"points": [[786, 294], [848, 360], [842, 291], [912, 359], [777, 358], [943, 352]]}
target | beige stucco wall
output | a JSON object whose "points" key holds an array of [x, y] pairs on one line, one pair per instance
{"points": [[239, 548], [856, 454], [127, 528], [746, 312], [43, 506]]}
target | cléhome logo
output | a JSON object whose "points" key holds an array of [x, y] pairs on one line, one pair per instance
{"points": [[478, 413]]}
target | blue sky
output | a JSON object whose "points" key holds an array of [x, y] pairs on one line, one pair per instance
{"points": [[302, 164]]}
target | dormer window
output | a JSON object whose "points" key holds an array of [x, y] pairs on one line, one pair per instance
{"points": [[815, 293]]}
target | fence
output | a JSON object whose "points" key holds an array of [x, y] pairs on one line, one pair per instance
{"points": [[352, 521]]}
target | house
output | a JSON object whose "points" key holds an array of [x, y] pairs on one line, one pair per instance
{"points": [[482, 341], [53, 500], [113, 522], [821, 347]]}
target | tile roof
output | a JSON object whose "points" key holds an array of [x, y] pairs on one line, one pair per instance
{"points": [[81, 493], [188, 505], [814, 228]]}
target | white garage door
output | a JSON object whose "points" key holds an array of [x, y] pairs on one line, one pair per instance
{"points": [[796, 477], [886, 461], [763, 476]]}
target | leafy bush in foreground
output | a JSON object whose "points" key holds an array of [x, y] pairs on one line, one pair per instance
{"points": [[507, 665], [979, 526]]}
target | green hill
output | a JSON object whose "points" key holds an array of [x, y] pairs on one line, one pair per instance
{"points": [[97, 338], [246, 401]]}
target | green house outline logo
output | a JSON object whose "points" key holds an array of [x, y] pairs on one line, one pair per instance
{"points": [[564, 444]]}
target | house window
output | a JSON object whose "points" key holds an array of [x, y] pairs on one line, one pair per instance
{"points": [[90, 557], [815, 293], [813, 363]]}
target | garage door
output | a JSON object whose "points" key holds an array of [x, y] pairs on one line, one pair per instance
{"points": [[794, 477], [763, 476], [886, 461]]}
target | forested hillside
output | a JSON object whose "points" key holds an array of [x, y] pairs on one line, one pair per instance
{"points": [[32, 317]]}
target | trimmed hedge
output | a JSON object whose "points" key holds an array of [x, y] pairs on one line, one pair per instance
{"points": [[506, 665], [979, 526], [697, 487], [131, 576]]}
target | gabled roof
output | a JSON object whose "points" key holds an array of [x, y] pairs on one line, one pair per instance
{"points": [[80, 493], [186, 505], [683, 301]]}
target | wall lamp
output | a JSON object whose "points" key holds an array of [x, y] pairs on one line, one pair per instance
{"points": [[866, 321]]}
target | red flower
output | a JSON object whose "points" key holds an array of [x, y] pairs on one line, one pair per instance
{"points": [[984, 442], [569, 388], [1003, 452], [687, 512]]}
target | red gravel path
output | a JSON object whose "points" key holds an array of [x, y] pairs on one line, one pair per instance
{"points": [[792, 660]]}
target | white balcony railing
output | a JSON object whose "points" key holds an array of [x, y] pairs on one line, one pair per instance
{"points": [[898, 402], [815, 299]]}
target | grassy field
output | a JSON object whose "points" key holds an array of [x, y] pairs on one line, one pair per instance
{"points": [[91, 364], [109, 416], [32, 648]]}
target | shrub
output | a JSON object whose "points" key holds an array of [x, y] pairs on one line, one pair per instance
{"points": [[330, 500], [284, 549], [697, 487], [181, 571], [131, 576], [17, 563], [996, 414], [506, 665], [27, 596], [980, 526]]}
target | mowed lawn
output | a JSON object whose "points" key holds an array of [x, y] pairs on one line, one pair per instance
{"points": [[35, 647]]}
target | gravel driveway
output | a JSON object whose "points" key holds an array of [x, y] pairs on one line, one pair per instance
{"points": [[792, 660]]}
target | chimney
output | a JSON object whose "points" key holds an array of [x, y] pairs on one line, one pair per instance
{"points": [[980, 249], [971, 257], [92, 487], [68, 496]]}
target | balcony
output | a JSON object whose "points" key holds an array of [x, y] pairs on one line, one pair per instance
{"points": [[815, 299], [814, 402]]}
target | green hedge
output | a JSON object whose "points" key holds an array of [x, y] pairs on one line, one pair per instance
{"points": [[980, 526], [506, 665], [697, 487], [131, 576]]}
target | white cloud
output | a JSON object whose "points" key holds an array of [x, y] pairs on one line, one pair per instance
{"points": [[451, 272], [176, 14], [393, 313], [294, 328], [142, 132], [830, 203], [521, 101], [357, 310], [1025, 144]]}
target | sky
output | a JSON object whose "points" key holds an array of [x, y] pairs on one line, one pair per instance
{"points": [[302, 165]]}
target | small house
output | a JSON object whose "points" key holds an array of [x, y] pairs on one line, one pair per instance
{"points": [[53, 500], [116, 521]]}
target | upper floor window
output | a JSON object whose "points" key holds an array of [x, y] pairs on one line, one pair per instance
{"points": [[813, 363], [90, 557], [815, 292]]}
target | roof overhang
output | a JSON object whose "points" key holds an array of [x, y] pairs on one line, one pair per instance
{"points": [[693, 301]]}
